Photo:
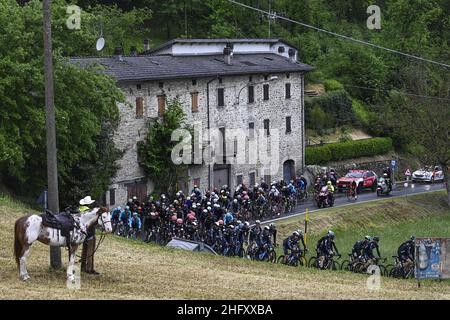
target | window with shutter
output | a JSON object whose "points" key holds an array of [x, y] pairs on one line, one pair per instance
{"points": [[139, 107], [266, 92], [251, 94], [288, 90], [288, 125], [220, 97], [161, 105], [194, 101]]}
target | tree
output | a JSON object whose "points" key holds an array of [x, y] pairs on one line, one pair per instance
{"points": [[85, 101], [156, 149]]}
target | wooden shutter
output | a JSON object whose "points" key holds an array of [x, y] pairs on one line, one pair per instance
{"points": [[266, 92], [220, 97], [161, 105], [139, 107], [288, 125], [251, 94], [288, 90], [194, 101]]}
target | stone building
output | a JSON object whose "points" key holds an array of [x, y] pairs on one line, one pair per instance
{"points": [[250, 84]]}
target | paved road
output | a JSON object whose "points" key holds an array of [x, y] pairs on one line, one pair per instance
{"points": [[365, 196]]}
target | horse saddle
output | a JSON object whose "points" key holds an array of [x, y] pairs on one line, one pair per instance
{"points": [[63, 221]]}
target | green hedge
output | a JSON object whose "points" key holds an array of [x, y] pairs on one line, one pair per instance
{"points": [[347, 150]]}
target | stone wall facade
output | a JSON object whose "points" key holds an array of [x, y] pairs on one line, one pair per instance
{"points": [[232, 115]]}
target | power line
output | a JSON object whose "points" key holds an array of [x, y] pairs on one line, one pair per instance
{"points": [[342, 36], [404, 93]]}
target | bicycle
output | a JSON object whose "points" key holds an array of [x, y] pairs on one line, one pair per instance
{"points": [[348, 264], [398, 270], [295, 258], [363, 266], [328, 264]]}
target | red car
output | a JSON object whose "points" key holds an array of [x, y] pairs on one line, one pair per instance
{"points": [[365, 179]]}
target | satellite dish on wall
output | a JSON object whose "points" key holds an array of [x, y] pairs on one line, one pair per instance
{"points": [[100, 43]]}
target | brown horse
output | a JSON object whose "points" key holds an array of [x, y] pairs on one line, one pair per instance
{"points": [[29, 228]]}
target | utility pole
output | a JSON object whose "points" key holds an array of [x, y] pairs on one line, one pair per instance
{"points": [[52, 169]]}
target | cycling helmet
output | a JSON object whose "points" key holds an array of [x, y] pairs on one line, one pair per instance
{"points": [[300, 232], [329, 183], [152, 214], [179, 221], [230, 226], [127, 208], [376, 239], [221, 222], [239, 222], [208, 203], [385, 175], [413, 238], [135, 214], [235, 201], [194, 224], [367, 237], [295, 233], [209, 208], [194, 206], [205, 211], [174, 218], [130, 200], [331, 234], [272, 226], [257, 222], [119, 208], [246, 223], [266, 228], [176, 202], [216, 223], [134, 198]]}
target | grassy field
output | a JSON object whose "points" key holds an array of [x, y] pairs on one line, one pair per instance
{"points": [[132, 270], [393, 221]]}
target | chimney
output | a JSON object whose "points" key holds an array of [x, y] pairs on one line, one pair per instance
{"points": [[146, 44], [118, 52], [291, 53], [228, 53], [133, 51]]}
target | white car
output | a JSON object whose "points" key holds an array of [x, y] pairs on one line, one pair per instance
{"points": [[428, 174]]}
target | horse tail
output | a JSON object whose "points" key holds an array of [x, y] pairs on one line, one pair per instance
{"points": [[18, 247]]}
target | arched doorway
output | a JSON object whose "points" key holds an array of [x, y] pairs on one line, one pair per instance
{"points": [[288, 170]]}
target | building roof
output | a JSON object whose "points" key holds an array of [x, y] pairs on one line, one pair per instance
{"points": [[147, 67], [211, 41]]}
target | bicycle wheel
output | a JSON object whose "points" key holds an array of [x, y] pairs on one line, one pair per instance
{"points": [[396, 272], [333, 265], [389, 267], [280, 259], [312, 263], [346, 265], [359, 267], [272, 256], [302, 262], [383, 270]]}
